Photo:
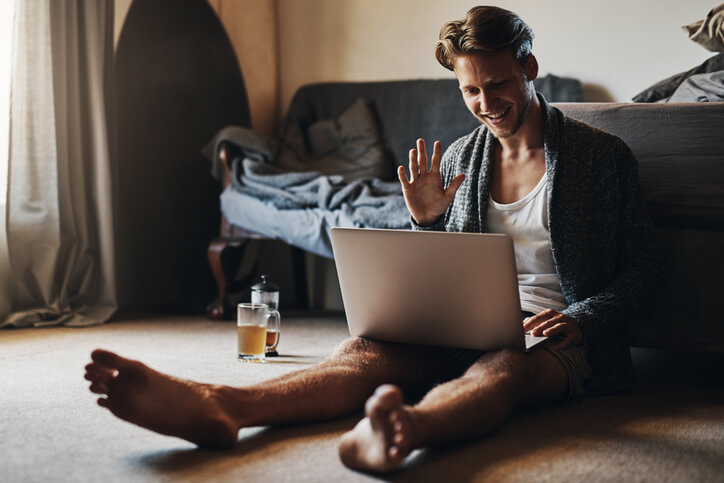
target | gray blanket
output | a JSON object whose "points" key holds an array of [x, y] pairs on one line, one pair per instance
{"points": [[707, 87], [280, 187], [370, 202]]}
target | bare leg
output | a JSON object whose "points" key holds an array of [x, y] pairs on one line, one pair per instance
{"points": [[475, 404], [140, 395], [210, 416]]}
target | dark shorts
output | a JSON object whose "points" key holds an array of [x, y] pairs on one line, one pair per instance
{"points": [[574, 360]]}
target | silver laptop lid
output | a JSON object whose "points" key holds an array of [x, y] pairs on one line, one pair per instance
{"points": [[438, 288]]}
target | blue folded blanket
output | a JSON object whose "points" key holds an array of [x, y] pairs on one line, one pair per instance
{"points": [[333, 181]]}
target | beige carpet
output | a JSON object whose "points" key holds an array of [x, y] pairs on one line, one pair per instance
{"points": [[672, 429]]}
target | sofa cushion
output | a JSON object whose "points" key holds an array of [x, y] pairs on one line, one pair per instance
{"points": [[349, 145]]}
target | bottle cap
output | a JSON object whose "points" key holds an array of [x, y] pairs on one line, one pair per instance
{"points": [[265, 285]]}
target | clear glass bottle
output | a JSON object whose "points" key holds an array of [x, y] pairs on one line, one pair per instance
{"points": [[266, 292]]}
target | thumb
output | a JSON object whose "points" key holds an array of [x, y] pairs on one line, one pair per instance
{"points": [[454, 185]]}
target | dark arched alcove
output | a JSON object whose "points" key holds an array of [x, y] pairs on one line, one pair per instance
{"points": [[177, 83]]}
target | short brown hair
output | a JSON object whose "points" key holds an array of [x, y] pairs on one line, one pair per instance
{"points": [[484, 29]]}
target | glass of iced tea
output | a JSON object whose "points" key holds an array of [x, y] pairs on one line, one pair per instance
{"points": [[252, 321]]}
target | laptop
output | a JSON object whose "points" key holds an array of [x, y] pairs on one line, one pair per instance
{"points": [[434, 288]]}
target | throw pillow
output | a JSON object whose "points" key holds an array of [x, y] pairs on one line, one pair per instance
{"points": [[709, 32], [350, 146]]}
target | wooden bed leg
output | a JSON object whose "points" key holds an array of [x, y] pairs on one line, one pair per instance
{"points": [[220, 308]]}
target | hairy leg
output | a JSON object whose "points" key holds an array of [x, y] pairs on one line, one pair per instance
{"points": [[472, 405], [211, 415]]}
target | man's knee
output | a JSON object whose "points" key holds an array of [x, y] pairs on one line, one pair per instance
{"points": [[355, 347]]}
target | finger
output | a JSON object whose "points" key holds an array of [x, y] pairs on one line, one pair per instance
{"points": [[402, 175], [560, 328], [436, 157], [454, 185], [422, 156], [543, 326], [413, 165], [533, 321]]}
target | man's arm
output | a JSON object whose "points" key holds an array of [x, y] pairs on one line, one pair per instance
{"points": [[425, 196], [637, 266]]}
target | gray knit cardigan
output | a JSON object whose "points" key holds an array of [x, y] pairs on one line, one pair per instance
{"points": [[601, 237]]}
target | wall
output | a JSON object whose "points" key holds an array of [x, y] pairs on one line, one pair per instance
{"points": [[251, 26], [616, 47]]}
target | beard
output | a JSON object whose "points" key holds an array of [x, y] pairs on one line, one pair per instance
{"points": [[522, 109]]}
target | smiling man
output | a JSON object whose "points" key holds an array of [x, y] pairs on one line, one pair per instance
{"points": [[568, 196]]}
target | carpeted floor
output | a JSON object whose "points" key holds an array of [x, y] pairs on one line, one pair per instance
{"points": [[671, 429]]}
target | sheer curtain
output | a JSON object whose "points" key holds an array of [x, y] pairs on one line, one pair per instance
{"points": [[7, 9], [59, 201]]}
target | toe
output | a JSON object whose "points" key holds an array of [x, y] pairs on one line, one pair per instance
{"points": [[384, 399], [390, 398], [96, 373], [99, 388], [396, 455], [108, 359]]}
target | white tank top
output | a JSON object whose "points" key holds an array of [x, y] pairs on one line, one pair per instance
{"points": [[526, 221]]}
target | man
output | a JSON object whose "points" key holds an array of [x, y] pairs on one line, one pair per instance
{"points": [[565, 192]]}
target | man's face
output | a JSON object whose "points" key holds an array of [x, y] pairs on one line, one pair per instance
{"points": [[496, 89]]}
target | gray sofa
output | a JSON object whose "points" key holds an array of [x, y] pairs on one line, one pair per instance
{"points": [[680, 149]]}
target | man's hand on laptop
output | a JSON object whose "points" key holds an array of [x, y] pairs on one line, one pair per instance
{"points": [[425, 196], [551, 324]]}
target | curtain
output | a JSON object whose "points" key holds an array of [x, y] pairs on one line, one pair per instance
{"points": [[7, 15], [59, 198]]}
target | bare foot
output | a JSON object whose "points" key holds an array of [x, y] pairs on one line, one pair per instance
{"points": [[383, 439], [138, 394]]}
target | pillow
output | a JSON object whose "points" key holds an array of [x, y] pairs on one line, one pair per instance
{"points": [[559, 89], [350, 146], [665, 88], [709, 32]]}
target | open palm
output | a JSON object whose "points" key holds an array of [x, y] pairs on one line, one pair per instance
{"points": [[425, 196]]}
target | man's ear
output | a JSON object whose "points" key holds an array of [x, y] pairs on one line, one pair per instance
{"points": [[531, 67]]}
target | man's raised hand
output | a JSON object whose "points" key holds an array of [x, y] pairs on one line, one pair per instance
{"points": [[425, 196]]}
